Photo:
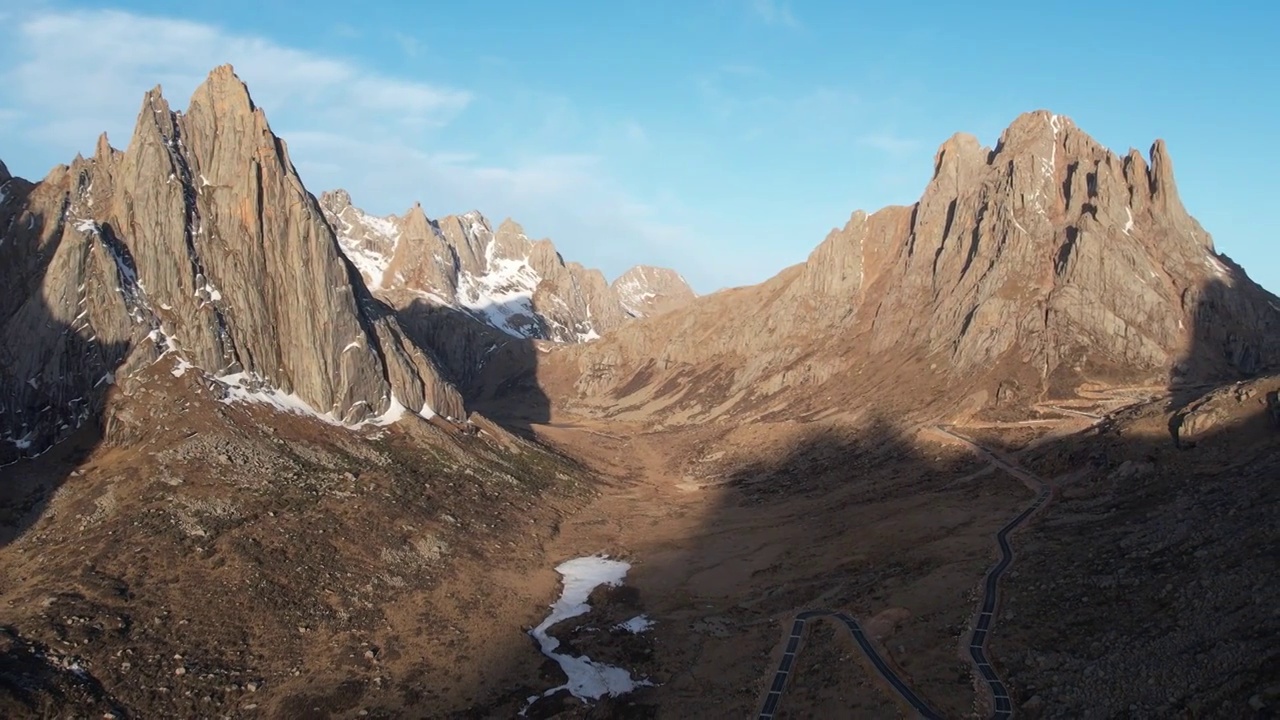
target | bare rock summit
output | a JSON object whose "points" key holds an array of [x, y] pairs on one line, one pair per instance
{"points": [[645, 291], [198, 240], [1043, 263]]}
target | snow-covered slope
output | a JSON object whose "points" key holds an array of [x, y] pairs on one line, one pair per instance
{"points": [[501, 278]]}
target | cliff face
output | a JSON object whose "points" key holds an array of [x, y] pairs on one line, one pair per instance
{"points": [[198, 239], [1040, 264]]}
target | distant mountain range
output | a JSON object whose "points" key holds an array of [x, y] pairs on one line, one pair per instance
{"points": [[200, 241]]}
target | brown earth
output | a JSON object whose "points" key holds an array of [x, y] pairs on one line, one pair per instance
{"points": [[755, 453], [229, 561]]}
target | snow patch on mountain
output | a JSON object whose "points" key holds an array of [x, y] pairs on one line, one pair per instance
{"points": [[497, 276], [503, 296], [369, 261], [244, 387]]}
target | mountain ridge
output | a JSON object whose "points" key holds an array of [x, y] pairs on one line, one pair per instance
{"points": [[198, 239], [1047, 314], [498, 276], [1047, 260]]}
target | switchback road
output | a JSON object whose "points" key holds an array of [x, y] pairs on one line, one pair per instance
{"points": [[1002, 702], [793, 646]]}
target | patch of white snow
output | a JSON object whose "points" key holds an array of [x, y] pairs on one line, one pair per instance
{"points": [[181, 367], [369, 262], [588, 680], [245, 387], [1215, 265], [635, 625]]}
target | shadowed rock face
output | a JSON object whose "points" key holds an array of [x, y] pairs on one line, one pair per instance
{"points": [[1044, 262], [199, 239], [499, 277]]}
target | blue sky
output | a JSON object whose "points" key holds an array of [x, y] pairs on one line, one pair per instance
{"points": [[724, 138]]}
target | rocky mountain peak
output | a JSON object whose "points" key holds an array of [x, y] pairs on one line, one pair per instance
{"points": [[961, 154], [223, 96], [510, 227], [1039, 264], [498, 277], [415, 221], [1164, 190], [199, 241], [335, 200], [509, 243], [645, 291]]}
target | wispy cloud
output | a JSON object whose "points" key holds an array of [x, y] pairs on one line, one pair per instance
{"points": [[774, 12], [889, 143], [742, 70], [69, 89], [409, 45], [633, 132], [562, 195], [347, 125], [748, 98]]}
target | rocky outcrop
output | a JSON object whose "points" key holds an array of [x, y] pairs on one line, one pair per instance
{"points": [[198, 239], [367, 241], [498, 277], [1043, 262], [645, 291]]}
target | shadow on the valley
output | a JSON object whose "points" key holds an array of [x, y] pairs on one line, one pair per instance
{"points": [[854, 516], [857, 516], [496, 373], [33, 685], [47, 425]]}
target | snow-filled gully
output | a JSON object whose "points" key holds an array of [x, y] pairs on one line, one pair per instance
{"points": [[587, 679]]}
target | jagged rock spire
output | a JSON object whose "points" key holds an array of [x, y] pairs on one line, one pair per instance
{"points": [[206, 231]]}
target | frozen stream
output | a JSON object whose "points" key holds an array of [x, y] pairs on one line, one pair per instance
{"points": [[588, 680]]}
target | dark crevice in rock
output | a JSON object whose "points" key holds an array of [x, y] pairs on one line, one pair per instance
{"points": [[1064, 251], [1066, 183], [974, 239]]}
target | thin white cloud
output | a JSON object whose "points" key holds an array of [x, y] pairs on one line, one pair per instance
{"points": [[634, 132], [568, 196], [742, 70], [774, 12], [409, 45], [346, 30], [70, 74], [889, 143], [742, 94], [115, 56]]}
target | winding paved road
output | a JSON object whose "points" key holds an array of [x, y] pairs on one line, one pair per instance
{"points": [[1002, 702], [785, 667]]}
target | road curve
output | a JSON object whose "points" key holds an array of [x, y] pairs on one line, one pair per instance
{"points": [[771, 700], [1002, 703]]}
